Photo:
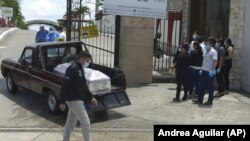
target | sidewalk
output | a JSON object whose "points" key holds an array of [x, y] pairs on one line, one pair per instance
{"points": [[56, 135]]}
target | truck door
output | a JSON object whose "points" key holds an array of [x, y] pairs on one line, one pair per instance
{"points": [[37, 74], [21, 75]]}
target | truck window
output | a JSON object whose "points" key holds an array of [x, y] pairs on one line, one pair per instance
{"points": [[84, 47], [55, 52], [55, 55], [73, 50], [27, 56]]}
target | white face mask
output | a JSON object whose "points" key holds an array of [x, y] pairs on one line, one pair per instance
{"points": [[86, 65], [208, 47], [217, 45], [194, 36]]}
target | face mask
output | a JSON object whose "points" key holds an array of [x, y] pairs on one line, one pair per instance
{"points": [[194, 36], [179, 49], [207, 47], [86, 65], [217, 45]]}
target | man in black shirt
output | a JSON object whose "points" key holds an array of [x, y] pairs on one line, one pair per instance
{"points": [[196, 58], [74, 93]]}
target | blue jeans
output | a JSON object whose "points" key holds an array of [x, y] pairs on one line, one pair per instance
{"points": [[206, 82], [194, 81]]}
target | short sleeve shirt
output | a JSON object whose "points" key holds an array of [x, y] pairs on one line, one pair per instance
{"points": [[62, 36], [209, 56]]}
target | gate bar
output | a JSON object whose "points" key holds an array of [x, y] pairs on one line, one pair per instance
{"points": [[68, 29], [117, 41]]}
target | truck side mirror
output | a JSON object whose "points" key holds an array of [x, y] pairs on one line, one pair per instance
{"points": [[20, 60]]}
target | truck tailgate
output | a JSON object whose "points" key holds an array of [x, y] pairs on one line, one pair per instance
{"points": [[109, 101]]}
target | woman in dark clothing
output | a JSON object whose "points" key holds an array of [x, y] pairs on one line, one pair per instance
{"points": [[228, 63], [196, 57], [182, 69], [184, 42]]}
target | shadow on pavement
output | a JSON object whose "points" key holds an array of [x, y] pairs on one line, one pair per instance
{"points": [[140, 85], [37, 104], [172, 89]]}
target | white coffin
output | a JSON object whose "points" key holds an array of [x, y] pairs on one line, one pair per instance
{"points": [[98, 82]]}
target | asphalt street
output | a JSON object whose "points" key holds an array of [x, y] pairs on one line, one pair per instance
{"points": [[3, 29], [151, 104]]}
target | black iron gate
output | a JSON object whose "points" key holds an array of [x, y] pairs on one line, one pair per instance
{"points": [[166, 40], [105, 47]]}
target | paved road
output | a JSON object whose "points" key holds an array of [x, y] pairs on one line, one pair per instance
{"points": [[3, 29], [151, 104]]}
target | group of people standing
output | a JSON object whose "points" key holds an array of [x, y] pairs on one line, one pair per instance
{"points": [[198, 63], [50, 36]]}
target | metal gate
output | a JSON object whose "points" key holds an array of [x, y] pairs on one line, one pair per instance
{"points": [[104, 48], [166, 40]]}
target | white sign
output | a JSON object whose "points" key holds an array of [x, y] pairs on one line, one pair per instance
{"points": [[138, 8], [7, 11]]}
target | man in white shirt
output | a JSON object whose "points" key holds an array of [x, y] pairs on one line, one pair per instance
{"points": [[196, 36], [208, 72], [62, 35]]}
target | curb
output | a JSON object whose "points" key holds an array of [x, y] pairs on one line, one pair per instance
{"points": [[76, 129], [5, 35]]}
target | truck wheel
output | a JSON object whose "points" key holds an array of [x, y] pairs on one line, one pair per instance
{"points": [[11, 86], [53, 103]]}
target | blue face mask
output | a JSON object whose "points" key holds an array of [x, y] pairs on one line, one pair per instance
{"points": [[207, 47]]}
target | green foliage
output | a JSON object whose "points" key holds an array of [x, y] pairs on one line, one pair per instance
{"points": [[18, 18], [84, 11], [99, 2]]}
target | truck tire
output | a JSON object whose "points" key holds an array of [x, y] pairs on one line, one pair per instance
{"points": [[53, 103], [11, 85]]}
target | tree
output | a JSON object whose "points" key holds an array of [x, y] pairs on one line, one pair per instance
{"points": [[75, 13], [99, 13], [18, 18], [99, 3], [85, 11]]}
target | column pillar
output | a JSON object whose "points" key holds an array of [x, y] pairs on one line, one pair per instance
{"points": [[136, 48]]}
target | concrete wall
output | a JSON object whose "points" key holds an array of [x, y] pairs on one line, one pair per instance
{"points": [[236, 33], [136, 45], [246, 52]]}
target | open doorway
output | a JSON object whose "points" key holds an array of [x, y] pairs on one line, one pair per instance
{"points": [[210, 17]]}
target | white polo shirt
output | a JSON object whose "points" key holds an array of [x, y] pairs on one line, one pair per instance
{"points": [[62, 36], [191, 47], [209, 56], [202, 46]]}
